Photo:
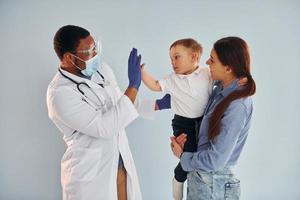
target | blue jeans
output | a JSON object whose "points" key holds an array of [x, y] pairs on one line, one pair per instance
{"points": [[213, 185]]}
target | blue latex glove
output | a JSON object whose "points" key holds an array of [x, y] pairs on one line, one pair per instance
{"points": [[164, 103], [134, 69]]}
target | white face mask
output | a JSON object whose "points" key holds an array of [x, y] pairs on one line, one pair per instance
{"points": [[91, 65]]}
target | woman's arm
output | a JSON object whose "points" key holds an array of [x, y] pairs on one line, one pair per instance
{"points": [[149, 80], [233, 133]]}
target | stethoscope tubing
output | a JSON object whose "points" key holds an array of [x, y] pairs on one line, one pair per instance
{"points": [[83, 83]]}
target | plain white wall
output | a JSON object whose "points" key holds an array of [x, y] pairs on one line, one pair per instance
{"points": [[31, 146]]}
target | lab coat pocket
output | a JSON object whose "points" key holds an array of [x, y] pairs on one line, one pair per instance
{"points": [[85, 163]]}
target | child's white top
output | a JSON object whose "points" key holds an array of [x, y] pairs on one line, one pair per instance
{"points": [[189, 93]]}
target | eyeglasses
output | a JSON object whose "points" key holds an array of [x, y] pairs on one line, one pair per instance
{"points": [[97, 48]]}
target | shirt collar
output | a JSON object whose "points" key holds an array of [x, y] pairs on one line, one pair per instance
{"points": [[229, 89], [79, 79], [84, 76], [72, 76], [196, 72]]}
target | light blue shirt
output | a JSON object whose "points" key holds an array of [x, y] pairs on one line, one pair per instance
{"points": [[225, 149]]}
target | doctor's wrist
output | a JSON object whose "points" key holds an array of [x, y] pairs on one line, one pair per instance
{"points": [[133, 86], [131, 93]]}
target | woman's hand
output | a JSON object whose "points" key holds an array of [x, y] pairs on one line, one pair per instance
{"points": [[181, 139], [177, 144]]}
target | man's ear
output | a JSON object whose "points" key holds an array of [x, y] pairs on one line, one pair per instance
{"points": [[67, 58]]}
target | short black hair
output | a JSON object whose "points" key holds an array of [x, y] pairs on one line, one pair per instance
{"points": [[67, 39]]}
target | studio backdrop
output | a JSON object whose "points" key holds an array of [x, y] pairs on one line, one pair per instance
{"points": [[31, 146]]}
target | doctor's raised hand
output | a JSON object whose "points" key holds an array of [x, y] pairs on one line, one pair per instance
{"points": [[134, 69], [134, 74]]}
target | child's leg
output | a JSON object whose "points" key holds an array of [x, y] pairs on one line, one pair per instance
{"points": [[190, 127], [183, 125], [177, 189], [180, 174], [178, 181]]}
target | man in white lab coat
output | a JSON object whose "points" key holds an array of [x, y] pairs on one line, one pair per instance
{"points": [[86, 104]]}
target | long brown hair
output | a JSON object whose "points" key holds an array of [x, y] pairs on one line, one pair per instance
{"points": [[233, 52]]}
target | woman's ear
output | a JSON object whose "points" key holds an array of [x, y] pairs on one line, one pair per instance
{"points": [[228, 69]]}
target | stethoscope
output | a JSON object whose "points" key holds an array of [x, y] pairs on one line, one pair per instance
{"points": [[78, 84]]}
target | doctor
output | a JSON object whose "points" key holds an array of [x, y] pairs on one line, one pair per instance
{"points": [[87, 106]]}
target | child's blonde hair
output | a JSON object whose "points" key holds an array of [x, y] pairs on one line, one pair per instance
{"points": [[189, 43]]}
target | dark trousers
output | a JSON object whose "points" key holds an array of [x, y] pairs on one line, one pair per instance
{"points": [[189, 126]]}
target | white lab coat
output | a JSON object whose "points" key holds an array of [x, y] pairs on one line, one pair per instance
{"points": [[89, 165]]}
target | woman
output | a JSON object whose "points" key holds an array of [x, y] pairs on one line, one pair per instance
{"points": [[225, 125]]}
